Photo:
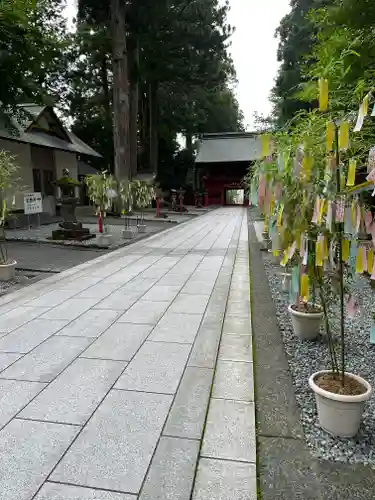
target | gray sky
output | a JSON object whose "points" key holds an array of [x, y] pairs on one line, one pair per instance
{"points": [[253, 50]]}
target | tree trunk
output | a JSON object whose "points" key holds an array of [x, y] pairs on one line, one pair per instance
{"points": [[134, 99], [107, 105], [189, 142], [120, 91], [154, 138]]}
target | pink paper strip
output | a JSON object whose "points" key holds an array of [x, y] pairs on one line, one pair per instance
{"points": [[368, 221], [350, 307], [364, 258]]}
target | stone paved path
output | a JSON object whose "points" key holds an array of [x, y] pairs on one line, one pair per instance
{"points": [[130, 377]]}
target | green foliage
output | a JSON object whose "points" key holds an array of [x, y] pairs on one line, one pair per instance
{"points": [[31, 43], [101, 189], [9, 185]]}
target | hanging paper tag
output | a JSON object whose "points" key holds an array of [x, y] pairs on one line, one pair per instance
{"points": [[344, 136], [360, 119], [339, 210], [292, 250], [365, 264], [305, 287], [315, 216], [302, 246], [365, 104], [329, 215], [295, 279], [307, 168], [280, 216], [370, 260], [306, 253], [359, 262], [319, 253], [330, 136], [368, 222], [371, 176], [323, 94], [348, 227], [372, 334], [284, 260], [353, 254], [266, 145], [351, 307], [326, 250], [351, 173], [345, 250]]}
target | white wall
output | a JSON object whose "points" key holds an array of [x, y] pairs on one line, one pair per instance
{"points": [[22, 155], [63, 159]]}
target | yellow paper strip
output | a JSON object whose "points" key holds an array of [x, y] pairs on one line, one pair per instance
{"points": [[344, 136], [365, 104], [266, 224], [285, 258], [323, 94], [359, 261], [280, 216], [326, 251], [370, 261], [276, 253], [307, 163], [305, 287], [330, 135], [345, 250], [319, 254], [322, 209], [266, 145], [351, 173]]}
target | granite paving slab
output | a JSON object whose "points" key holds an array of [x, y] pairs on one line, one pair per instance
{"points": [[205, 347], [91, 324], [176, 327], [70, 309], [45, 362], [17, 317], [56, 491], [119, 300], [172, 470], [157, 367], [6, 359], [145, 312], [73, 396], [30, 335], [115, 448], [224, 480], [14, 395], [188, 412], [28, 453], [162, 293], [190, 304], [51, 299], [234, 380], [120, 342], [236, 348]]}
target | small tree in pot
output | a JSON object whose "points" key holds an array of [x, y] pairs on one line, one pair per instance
{"points": [[101, 189], [144, 194], [127, 200], [8, 187]]}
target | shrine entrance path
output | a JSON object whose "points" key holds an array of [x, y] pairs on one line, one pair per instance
{"points": [[130, 376]]}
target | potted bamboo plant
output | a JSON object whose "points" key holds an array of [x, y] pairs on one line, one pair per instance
{"points": [[127, 200], [101, 189], [144, 193], [8, 187]]}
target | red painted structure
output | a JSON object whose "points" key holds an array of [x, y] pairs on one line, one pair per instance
{"points": [[219, 177]]}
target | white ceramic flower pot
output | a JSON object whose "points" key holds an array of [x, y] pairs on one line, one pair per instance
{"points": [[142, 228], [104, 240], [306, 325], [338, 414], [128, 234], [8, 271]]}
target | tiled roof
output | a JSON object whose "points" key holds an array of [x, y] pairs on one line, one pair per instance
{"points": [[228, 148], [21, 125]]}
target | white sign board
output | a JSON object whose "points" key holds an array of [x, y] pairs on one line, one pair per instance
{"points": [[33, 203]]}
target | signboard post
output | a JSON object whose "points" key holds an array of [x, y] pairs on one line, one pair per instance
{"points": [[33, 204]]}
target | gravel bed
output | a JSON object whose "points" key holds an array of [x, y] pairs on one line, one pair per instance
{"points": [[20, 280], [305, 358]]}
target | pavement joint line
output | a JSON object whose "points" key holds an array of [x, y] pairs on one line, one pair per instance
{"points": [[87, 487], [46, 421], [221, 459], [98, 405], [180, 381], [237, 232], [143, 392]]}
